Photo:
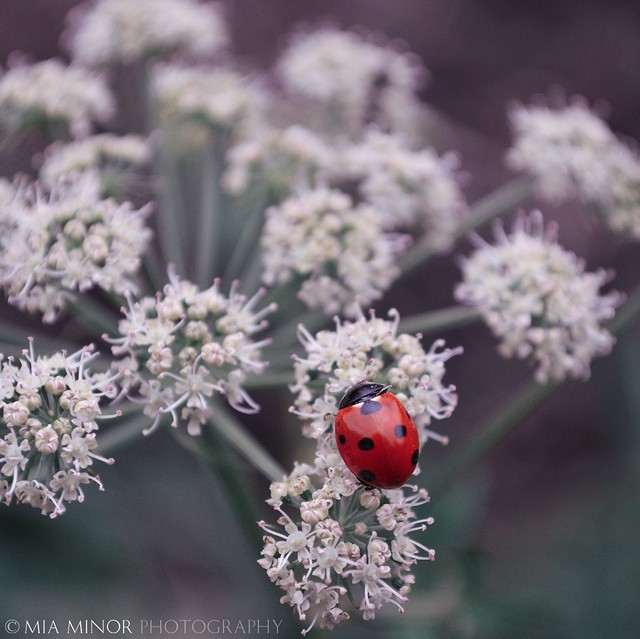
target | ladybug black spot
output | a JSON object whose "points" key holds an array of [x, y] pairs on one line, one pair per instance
{"points": [[369, 407], [366, 443], [414, 457], [400, 431], [342, 439], [367, 476]]}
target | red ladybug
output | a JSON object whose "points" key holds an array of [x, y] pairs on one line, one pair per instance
{"points": [[376, 437]]}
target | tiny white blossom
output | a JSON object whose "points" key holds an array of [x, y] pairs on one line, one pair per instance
{"points": [[52, 93], [123, 31], [538, 299]]}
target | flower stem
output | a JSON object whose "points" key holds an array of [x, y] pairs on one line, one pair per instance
{"points": [[269, 379], [490, 433], [127, 431], [502, 199], [93, 315], [249, 447], [207, 233], [439, 320], [170, 210], [518, 406]]}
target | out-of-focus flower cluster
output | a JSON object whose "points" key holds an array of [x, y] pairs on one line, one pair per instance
{"points": [[67, 241], [214, 97], [112, 156], [352, 80], [52, 93], [180, 348], [50, 412], [107, 31], [340, 250], [537, 298], [573, 153], [55, 245]]}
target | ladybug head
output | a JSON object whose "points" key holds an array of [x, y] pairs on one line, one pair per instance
{"points": [[361, 392]]}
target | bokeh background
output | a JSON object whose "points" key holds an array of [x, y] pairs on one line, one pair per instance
{"points": [[540, 539]]}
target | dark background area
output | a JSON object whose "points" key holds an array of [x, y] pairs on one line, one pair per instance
{"points": [[540, 541]]}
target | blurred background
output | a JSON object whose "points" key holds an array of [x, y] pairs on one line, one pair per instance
{"points": [[540, 540]]}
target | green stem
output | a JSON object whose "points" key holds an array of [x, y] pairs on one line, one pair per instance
{"points": [[240, 499], [247, 246], [512, 413], [490, 433], [93, 315], [490, 206], [502, 199], [268, 380], [207, 232], [439, 320], [170, 209], [121, 435], [249, 447]]}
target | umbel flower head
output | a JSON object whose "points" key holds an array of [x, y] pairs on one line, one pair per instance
{"points": [[113, 156], [185, 345], [50, 412], [122, 31], [416, 189], [538, 299], [345, 545], [572, 152], [56, 245], [341, 250], [353, 76], [215, 97], [286, 161], [371, 349], [51, 93]]}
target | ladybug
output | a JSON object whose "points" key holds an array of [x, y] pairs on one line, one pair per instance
{"points": [[376, 437]]}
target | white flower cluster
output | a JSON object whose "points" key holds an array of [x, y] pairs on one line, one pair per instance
{"points": [[538, 300], [371, 349], [572, 152], [287, 160], [125, 31], [181, 347], [340, 250], [53, 93], [50, 409], [70, 241], [347, 542], [353, 76], [105, 152], [216, 96], [415, 189], [346, 545]]}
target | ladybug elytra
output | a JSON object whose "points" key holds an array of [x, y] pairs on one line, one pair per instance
{"points": [[376, 437]]}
